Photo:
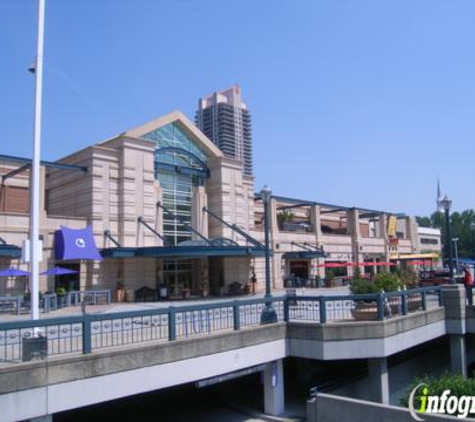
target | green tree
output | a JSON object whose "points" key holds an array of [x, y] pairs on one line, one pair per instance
{"points": [[460, 227]]}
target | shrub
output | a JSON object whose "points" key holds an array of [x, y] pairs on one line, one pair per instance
{"points": [[330, 275], [60, 291], [407, 276], [382, 281], [363, 287], [357, 274], [457, 384], [387, 282]]}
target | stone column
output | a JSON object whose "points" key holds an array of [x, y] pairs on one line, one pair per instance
{"points": [[383, 232], [355, 233], [199, 218], [411, 234], [458, 355], [274, 388], [277, 281], [316, 221], [455, 326], [379, 380]]}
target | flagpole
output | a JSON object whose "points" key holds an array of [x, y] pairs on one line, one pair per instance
{"points": [[35, 169]]}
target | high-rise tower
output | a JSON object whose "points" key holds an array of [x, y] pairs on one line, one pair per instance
{"points": [[224, 118]]}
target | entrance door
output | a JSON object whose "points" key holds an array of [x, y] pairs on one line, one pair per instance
{"points": [[68, 281], [177, 275], [299, 269]]}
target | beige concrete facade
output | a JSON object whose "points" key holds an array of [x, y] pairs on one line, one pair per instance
{"points": [[121, 186]]}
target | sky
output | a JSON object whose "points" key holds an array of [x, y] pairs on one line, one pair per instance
{"points": [[355, 103]]}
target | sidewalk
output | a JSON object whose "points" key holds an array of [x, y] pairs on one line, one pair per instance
{"points": [[138, 306]]}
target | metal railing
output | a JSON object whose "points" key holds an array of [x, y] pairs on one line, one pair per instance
{"points": [[87, 333], [53, 301], [10, 303], [370, 307]]}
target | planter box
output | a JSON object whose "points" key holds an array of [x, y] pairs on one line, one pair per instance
{"points": [[119, 295], [365, 311]]}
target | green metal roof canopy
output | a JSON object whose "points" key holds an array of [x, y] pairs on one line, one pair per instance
{"points": [[194, 251]]}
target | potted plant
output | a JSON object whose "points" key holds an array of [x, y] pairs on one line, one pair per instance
{"points": [[365, 310], [330, 279], [185, 293], [60, 296], [120, 291], [204, 291]]}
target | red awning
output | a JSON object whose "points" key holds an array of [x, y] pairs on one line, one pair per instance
{"points": [[377, 264], [335, 265]]}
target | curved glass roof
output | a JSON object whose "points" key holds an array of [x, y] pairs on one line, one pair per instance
{"points": [[172, 135]]}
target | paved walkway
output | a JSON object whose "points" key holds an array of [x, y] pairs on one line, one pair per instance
{"points": [[139, 306]]}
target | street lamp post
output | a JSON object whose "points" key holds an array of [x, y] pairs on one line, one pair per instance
{"points": [[472, 228], [455, 240], [446, 203], [268, 315], [35, 169]]}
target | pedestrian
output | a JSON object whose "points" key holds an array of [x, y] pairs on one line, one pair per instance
{"points": [[253, 282], [468, 279]]}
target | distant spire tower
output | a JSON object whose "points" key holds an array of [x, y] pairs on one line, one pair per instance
{"points": [[439, 197]]}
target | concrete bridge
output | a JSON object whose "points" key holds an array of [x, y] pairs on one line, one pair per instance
{"points": [[92, 359]]}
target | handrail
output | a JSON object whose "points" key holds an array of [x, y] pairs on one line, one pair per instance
{"points": [[94, 331]]}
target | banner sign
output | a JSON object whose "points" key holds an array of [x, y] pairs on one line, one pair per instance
{"points": [[75, 244]]}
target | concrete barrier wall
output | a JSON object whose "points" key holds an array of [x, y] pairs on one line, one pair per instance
{"points": [[434, 360], [328, 408]]}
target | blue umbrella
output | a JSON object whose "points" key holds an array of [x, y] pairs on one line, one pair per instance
{"points": [[58, 271], [13, 272]]}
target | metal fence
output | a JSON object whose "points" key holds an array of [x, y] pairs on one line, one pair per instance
{"points": [[87, 333], [53, 301], [371, 307]]}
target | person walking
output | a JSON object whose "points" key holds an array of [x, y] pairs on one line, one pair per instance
{"points": [[468, 280]]}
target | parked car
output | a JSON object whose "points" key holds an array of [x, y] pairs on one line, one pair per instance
{"points": [[437, 277]]}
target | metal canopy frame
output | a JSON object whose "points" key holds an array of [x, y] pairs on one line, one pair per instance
{"points": [[300, 202], [10, 251], [50, 164], [302, 255], [310, 248], [187, 225], [235, 228], [181, 251], [108, 235], [13, 173], [141, 220]]}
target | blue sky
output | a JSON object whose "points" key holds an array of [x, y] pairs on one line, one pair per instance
{"points": [[359, 103]]}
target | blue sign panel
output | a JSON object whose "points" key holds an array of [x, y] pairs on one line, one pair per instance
{"points": [[75, 244]]}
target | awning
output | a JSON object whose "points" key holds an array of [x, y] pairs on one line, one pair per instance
{"points": [[376, 264], [10, 251], [302, 255], [181, 251], [335, 265], [405, 257], [75, 244]]}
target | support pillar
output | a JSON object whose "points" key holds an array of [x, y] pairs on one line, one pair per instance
{"points": [[274, 388], [379, 380], [458, 355], [454, 301]]}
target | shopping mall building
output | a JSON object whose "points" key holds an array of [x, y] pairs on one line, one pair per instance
{"points": [[166, 207]]}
